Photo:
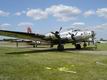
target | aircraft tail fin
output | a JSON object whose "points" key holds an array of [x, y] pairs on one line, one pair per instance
{"points": [[29, 30]]}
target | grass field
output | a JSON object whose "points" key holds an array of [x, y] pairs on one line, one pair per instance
{"points": [[32, 64]]}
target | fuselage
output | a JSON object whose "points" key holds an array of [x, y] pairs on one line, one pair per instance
{"points": [[77, 34]]}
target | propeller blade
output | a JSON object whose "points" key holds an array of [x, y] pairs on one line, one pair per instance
{"points": [[70, 33], [52, 32], [56, 34], [72, 36], [60, 29], [93, 36], [76, 34]]}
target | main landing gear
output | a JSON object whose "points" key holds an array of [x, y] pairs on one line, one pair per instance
{"points": [[60, 47], [77, 46]]}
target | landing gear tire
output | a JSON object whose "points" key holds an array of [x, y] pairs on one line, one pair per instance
{"points": [[34, 46], [77, 46], [60, 47], [51, 46]]}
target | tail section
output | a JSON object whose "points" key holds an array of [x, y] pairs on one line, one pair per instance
{"points": [[29, 30]]}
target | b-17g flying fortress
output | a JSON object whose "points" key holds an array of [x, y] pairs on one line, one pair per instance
{"points": [[76, 37], [75, 30]]}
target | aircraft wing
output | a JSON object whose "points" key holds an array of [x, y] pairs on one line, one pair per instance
{"points": [[22, 35]]}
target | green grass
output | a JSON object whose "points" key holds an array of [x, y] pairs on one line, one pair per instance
{"points": [[33, 64], [28, 64], [102, 46]]}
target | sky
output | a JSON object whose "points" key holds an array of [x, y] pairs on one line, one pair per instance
{"points": [[44, 16]]}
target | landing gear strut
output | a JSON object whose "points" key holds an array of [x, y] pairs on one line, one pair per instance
{"points": [[60, 47], [85, 45], [77, 46]]}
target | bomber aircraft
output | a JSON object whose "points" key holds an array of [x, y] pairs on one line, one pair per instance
{"points": [[59, 38]]}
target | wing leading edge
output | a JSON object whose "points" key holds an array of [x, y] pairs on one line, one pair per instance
{"points": [[22, 35]]}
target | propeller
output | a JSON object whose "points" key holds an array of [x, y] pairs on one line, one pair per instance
{"points": [[60, 29], [93, 36], [73, 36], [56, 33]]}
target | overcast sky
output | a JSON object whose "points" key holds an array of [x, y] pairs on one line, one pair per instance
{"points": [[49, 15]]}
